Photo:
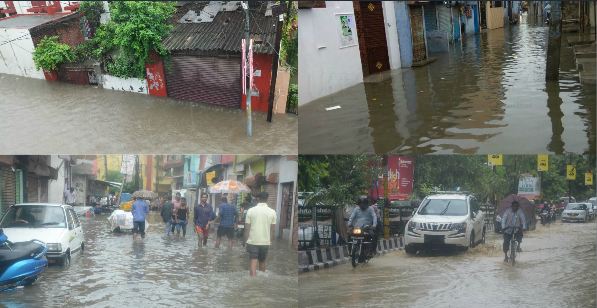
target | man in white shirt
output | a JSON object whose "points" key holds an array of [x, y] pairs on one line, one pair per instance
{"points": [[70, 196], [260, 226]]}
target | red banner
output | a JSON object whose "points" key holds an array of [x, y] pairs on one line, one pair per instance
{"points": [[400, 177]]}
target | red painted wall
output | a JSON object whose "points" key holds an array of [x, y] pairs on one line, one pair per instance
{"points": [[262, 62]]}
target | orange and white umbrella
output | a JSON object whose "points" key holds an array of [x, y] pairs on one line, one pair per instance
{"points": [[229, 187]]}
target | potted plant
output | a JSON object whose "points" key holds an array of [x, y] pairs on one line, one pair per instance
{"points": [[49, 54]]}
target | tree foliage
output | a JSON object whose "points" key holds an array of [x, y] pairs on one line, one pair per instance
{"points": [[135, 29], [337, 180], [49, 54], [289, 46]]}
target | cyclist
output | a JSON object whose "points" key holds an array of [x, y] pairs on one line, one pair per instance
{"points": [[512, 218]]}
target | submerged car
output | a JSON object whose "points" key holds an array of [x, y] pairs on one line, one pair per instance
{"points": [[575, 212], [446, 219], [57, 225]]}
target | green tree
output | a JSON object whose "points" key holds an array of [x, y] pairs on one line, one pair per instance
{"points": [[135, 29]]}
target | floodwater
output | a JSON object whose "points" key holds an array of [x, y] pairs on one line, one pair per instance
{"points": [[557, 268], [114, 271], [488, 94], [40, 117]]}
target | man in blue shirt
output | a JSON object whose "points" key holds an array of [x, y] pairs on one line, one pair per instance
{"points": [[203, 216], [228, 216], [140, 209]]}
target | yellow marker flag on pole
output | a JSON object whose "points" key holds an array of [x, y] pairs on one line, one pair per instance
{"points": [[542, 162], [589, 178], [209, 177], [570, 172], [495, 159]]}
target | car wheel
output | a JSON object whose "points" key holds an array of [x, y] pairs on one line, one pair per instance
{"points": [[472, 242], [409, 249], [483, 237], [65, 262]]}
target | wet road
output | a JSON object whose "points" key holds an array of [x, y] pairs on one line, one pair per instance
{"points": [[40, 117], [487, 95], [115, 272], [557, 268]]}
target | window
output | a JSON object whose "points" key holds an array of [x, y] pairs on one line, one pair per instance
{"points": [[34, 217], [75, 218], [447, 207], [474, 205]]}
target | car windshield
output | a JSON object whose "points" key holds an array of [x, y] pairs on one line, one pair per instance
{"points": [[447, 207], [34, 216], [576, 206]]}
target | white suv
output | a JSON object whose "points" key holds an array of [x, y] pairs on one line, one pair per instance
{"points": [[55, 224], [447, 218]]}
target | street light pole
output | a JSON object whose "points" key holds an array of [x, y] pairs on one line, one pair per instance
{"points": [[245, 5]]}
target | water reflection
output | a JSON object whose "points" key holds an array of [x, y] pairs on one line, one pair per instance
{"points": [[488, 94], [115, 271]]}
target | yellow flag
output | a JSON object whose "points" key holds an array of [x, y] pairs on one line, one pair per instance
{"points": [[570, 172], [589, 178], [542, 162], [495, 159]]}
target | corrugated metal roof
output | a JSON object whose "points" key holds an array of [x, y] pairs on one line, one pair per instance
{"points": [[224, 34]]}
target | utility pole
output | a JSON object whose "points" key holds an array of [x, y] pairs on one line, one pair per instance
{"points": [[245, 5], [278, 11], [554, 42]]}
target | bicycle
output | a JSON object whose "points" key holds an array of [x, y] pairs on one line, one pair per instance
{"points": [[513, 247]]}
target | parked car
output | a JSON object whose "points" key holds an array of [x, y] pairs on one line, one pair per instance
{"points": [[446, 219], [57, 225], [593, 201], [575, 212]]}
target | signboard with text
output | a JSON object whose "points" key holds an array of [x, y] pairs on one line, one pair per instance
{"points": [[529, 187], [400, 177]]}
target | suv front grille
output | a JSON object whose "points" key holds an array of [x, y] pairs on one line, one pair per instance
{"points": [[436, 226]]}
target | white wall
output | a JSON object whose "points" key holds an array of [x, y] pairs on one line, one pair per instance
{"points": [[391, 34], [325, 68], [56, 187], [124, 84], [22, 6], [16, 57]]}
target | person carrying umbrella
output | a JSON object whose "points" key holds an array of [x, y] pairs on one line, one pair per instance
{"points": [[203, 216], [512, 218]]}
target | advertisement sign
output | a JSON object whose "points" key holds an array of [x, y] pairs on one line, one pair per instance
{"points": [[400, 177], [570, 172], [495, 159], [529, 187], [347, 30], [589, 178], [542, 162]]}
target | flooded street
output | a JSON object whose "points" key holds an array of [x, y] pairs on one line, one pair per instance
{"points": [[113, 271], [557, 268], [487, 95], [40, 117]]}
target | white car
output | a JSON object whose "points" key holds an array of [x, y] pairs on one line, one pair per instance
{"points": [[591, 210], [446, 219], [55, 224], [575, 212]]}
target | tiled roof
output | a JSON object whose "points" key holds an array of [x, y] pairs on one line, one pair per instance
{"points": [[223, 35]]}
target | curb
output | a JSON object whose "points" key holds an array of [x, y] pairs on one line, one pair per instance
{"points": [[315, 259]]}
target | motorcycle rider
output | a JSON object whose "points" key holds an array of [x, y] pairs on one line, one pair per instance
{"points": [[513, 217], [547, 211], [364, 215]]}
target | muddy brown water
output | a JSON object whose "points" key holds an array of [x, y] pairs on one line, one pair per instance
{"points": [[113, 271], [40, 117], [557, 268], [487, 95]]}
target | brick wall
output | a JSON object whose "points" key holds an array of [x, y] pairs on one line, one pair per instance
{"points": [[68, 31], [360, 34]]}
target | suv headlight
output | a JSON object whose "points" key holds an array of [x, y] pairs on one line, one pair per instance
{"points": [[460, 227], [412, 225], [54, 247]]}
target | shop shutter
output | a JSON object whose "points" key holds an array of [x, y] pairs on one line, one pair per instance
{"points": [[210, 80], [7, 188]]}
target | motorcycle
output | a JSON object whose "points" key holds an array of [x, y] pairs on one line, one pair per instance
{"points": [[21, 263], [360, 245], [545, 218]]}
